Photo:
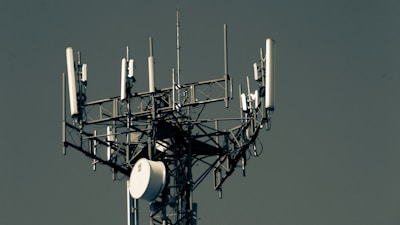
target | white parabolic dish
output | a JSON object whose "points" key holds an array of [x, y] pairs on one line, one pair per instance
{"points": [[147, 179]]}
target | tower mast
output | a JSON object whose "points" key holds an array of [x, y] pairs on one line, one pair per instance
{"points": [[154, 138]]}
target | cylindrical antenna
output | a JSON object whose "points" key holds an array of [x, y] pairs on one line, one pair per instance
{"points": [[123, 79], [225, 50], [127, 53], [151, 74], [269, 75], [151, 66], [151, 46], [226, 75], [73, 102]]}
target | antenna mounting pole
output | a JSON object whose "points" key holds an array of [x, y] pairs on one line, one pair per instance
{"points": [[178, 46], [225, 50]]}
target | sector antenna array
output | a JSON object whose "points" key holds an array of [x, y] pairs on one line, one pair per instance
{"points": [[154, 138]]}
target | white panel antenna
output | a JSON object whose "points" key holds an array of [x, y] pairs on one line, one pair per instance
{"points": [[254, 97], [73, 102], [248, 92], [269, 75], [84, 72], [256, 74], [123, 79], [131, 68], [243, 102], [110, 140]]}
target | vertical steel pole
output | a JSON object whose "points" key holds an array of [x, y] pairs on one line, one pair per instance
{"points": [[178, 47], [128, 205], [225, 50], [64, 150], [132, 206], [136, 211], [188, 191], [226, 75]]}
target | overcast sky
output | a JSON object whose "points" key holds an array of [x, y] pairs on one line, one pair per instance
{"points": [[332, 156]]}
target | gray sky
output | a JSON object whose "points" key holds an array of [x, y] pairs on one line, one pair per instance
{"points": [[331, 157]]}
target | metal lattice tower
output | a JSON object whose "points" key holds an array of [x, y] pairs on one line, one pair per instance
{"points": [[166, 126]]}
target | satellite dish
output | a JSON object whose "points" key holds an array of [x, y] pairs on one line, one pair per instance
{"points": [[147, 179]]}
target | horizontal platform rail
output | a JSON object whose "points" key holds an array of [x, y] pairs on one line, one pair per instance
{"points": [[142, 105]]}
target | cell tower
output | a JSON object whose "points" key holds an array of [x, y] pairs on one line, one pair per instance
{"points": [[154, 138]]}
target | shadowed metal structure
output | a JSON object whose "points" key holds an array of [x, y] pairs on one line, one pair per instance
{"points": [[166, 125]]}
